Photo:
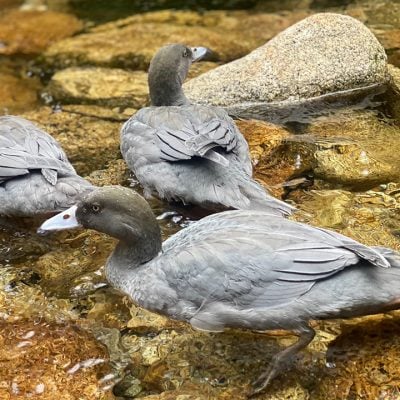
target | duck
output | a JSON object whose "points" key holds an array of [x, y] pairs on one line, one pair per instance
{"points": [[190, 153], [244, 269], [36, 177]]}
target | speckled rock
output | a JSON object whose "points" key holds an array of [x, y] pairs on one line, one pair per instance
{"points": [[30, 32], [323, 54], [89, 142], [131, 42], [102, 86]]}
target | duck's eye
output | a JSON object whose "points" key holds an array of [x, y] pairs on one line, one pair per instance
{"points": [[185, 53], [95, 208]]}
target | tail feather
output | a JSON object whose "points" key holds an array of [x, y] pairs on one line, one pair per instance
{"points": [[260, 200], [391, 255]]}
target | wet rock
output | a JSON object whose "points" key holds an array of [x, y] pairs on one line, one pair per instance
{"points": [[116, 173], [323, 54], [143, 321], [131, 42], [109, 87], [78, 253], [339, 161], [51, 361], [4, 4], [371, 217], [352, 147], [391, 42], [89, 142], [266, 143], [16, 94], [382, 14], [18, 243], [217, 366], [30, 32], [394, 92], [116, 114]]}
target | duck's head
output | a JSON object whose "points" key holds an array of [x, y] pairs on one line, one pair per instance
{"points": [[168, 70], [117, 211]]}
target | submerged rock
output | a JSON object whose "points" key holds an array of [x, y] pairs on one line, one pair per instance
{"points": [[31, 32], [102, 86], [365, 360], [51, 361], [131, 42], [323, 54], [371, 217]]}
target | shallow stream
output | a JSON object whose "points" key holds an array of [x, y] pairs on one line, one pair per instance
{"points": [[64, 333]]}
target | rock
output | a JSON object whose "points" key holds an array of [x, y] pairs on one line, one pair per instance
{"points": [[340, 161], [131, 42], [47, 360], [116, 114], [266, 142], [30, 32], [391, 42], [382, 14], [371, 217], [394, 93], [321, 55], [16, 94], [77, 254], [365, 146], [116, 173], [90, 142], [101, 86]]}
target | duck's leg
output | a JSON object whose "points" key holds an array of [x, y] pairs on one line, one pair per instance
{"points": [[306, 335]]}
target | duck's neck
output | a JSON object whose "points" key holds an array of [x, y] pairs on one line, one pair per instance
{"points": [[137, 248], [166, 88]]}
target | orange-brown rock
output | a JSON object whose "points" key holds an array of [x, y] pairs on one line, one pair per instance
{"points": [[30, 32]]}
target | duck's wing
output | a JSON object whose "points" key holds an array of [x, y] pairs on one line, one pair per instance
{"points": [[181, 133], [24, 147], [249, 260]]}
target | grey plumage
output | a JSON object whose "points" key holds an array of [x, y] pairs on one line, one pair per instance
{"points": [[187, 152], [245, 269], [35, 174]]}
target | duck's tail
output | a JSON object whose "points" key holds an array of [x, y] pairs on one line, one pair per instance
{"points": [[244, 193], [259, 199], [391, 255]]}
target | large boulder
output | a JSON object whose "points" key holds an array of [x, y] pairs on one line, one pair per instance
{"points": [[323, 54]]}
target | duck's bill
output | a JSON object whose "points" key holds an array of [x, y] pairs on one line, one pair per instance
{"points": [[64, 220], [198, 53]]}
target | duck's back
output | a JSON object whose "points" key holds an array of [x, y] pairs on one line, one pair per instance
{"points": [[35, 174], [194, 154], [157, 134], [239, 267], [24, 148]]}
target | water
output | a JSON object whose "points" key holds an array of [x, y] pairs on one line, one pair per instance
{"points": [[64, 331]]}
